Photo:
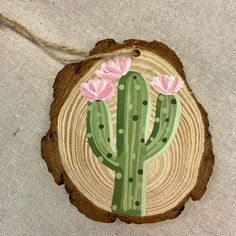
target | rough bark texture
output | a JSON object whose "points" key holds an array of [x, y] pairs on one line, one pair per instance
{"points": [[49, 144]]}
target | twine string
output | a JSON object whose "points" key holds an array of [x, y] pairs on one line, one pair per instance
{"points": [[51, 47]]}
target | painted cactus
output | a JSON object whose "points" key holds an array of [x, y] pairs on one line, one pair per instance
{"points": [[134, 145]]}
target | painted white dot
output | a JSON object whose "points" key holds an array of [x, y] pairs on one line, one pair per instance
{"points": [[100, 159], [164, 110], [151, 139], [133, 156], [121, 131], [114, 207], [161, 97], [89, 135], [118, 175], [137, 87], [157, 119], [130, 106], [121, 87]]}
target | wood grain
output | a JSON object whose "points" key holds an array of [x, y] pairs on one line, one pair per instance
{"points": [[180, 173]]}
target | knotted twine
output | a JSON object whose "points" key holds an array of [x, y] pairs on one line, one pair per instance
{"points": [[50, 47]]}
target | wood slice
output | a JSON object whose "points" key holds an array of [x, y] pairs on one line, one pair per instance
{"points": [[181, 172]]}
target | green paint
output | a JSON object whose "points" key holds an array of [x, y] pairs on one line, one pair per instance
{"points": [[145, 102], [134, 147], [121, 131], [118, 175], [140, 171], [89, 135], [121, 87], [130, 106]]}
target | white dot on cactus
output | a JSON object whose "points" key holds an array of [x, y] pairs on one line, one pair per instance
{"points": [[100, 159], [114, 207], [157, 119], [130, 106], [133, 156], [118, 175], [121, 131], [121, 87], [164, 110], [137, 87], [89, 135], [151, 139], [161, 97]]}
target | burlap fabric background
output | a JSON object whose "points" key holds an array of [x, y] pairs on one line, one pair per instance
{"points": [[201, 32]]}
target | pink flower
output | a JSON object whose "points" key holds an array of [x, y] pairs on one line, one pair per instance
{"points": [[166, 84], [114, 68], [97, 90]]}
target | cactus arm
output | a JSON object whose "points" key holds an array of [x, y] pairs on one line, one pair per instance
{"points": [[99, 134], [165, 125]]}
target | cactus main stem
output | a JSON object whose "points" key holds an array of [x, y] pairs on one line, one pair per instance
{"points": [[129, 192], [133, 112]]}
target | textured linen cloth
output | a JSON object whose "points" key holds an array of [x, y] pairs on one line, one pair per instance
{"points": [[202, 33]]}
